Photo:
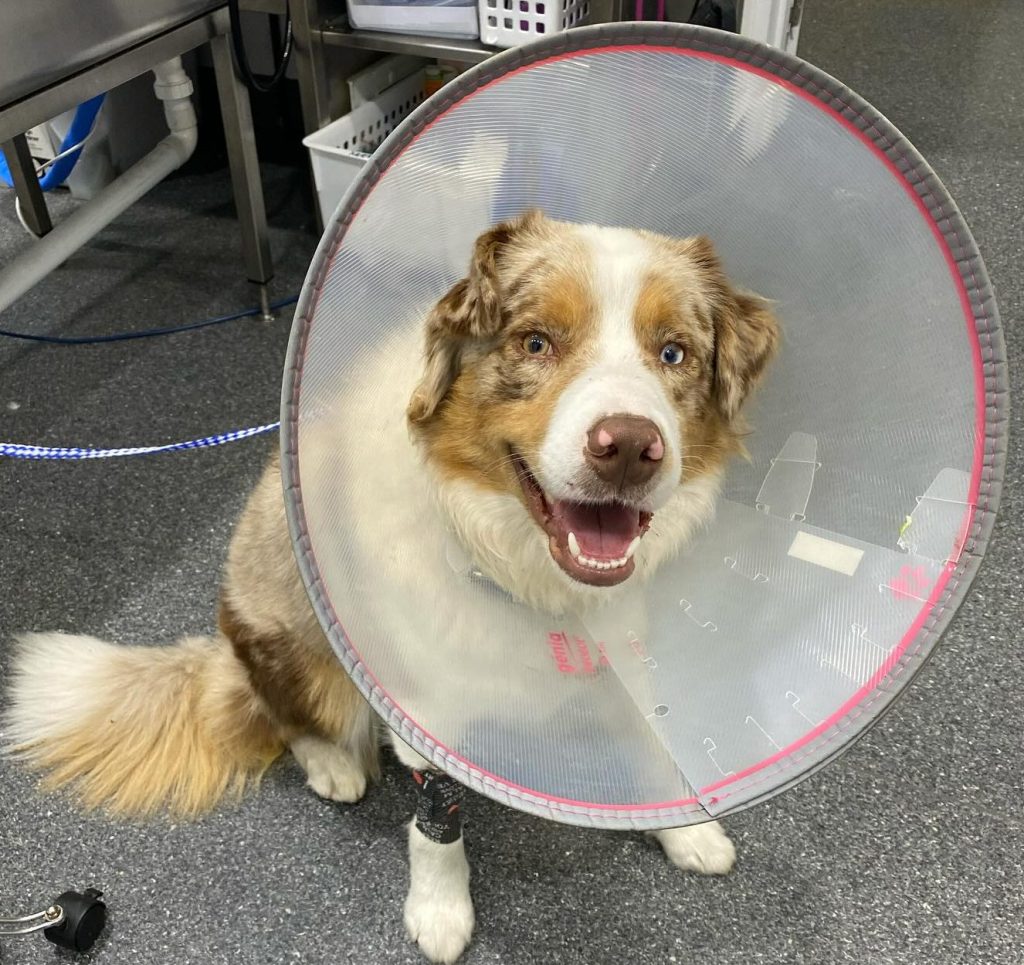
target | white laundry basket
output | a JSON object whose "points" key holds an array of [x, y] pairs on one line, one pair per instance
{"points": [[509, 23], [338, 151], [437, 18]]}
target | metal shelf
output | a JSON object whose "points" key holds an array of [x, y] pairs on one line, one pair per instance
{"points": [[337, 33]]}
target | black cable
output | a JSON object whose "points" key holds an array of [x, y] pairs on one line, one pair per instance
{"points": [[242, 60], [145, 333], [276, 41]]}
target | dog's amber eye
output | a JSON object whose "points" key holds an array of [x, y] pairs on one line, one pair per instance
{"points": [[536, 344], [672, 353]]}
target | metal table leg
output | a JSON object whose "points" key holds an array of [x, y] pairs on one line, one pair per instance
{"points": [[245, 170], [310, 63], [26, 185], [311, 68]]}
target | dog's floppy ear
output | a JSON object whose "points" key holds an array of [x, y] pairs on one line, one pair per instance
{"points": [[470, 310], [747, 332], [746, 339]]}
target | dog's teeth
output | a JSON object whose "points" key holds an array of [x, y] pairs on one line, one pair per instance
{"points": [[602, 564], [631, 549], [574, 545]]}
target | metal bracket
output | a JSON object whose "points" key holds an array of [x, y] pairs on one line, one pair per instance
{"points": [[27, 924]]}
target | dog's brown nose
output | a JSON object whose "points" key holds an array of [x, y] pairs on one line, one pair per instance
{"points": [[624, 450]]}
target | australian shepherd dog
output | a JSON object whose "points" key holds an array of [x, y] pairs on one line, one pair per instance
{"points": [[566, 409]]}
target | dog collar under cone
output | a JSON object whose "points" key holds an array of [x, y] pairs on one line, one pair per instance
{"points": [[838, 554]]}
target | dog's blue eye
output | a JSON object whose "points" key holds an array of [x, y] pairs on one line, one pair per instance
{"points": [[672, 354], [537, 344]]}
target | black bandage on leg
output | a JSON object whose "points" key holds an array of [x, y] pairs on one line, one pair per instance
{"points": [[438, 806]]}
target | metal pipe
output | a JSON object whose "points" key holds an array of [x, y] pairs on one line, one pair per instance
{"points": [[174, 88]]}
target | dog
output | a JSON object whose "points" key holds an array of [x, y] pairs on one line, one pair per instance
{"points": [[576, 400]]}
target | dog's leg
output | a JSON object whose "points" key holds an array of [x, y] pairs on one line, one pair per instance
{"points": [[704, 848], [438, 909], [332, 771]]}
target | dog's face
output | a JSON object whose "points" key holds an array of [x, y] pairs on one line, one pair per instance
{"points": [[588, 372]]}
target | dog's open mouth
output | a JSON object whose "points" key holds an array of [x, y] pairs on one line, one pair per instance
{"points": [[592, 543]]}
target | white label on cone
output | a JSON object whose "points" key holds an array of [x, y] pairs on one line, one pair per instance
{"points": [[826, 552]]}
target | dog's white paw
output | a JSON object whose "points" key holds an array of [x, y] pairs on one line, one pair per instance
{"points": [[438, 910], [331, 771], [703, 848], [441, 925]]}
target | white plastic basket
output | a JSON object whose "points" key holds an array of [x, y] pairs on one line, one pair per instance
{"points": [[436, 18], [509, 23], [338, 151]]}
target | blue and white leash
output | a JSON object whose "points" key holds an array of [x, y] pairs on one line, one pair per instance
{"points": [[19, 451]]}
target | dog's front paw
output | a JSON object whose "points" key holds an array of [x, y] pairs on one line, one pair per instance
{"points": [[703, 848], [440, 924], [331, 771], [438, 910]]}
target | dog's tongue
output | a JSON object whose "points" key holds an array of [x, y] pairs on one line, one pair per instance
{"points": [[603, 532]]}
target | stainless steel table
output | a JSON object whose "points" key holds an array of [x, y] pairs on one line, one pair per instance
{"points": [[59, 54]]}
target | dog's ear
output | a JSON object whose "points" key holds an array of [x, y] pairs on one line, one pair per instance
{"points": [[470, 310], [747, 333], [746, 339]]}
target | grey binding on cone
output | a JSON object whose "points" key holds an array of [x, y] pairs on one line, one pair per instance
{"points": [[839, 553]]}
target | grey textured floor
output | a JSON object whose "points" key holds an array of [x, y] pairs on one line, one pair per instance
{"points": [[907, 850]]}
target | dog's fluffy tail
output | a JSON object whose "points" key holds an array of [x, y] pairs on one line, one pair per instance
{"points": [[138, 729]]}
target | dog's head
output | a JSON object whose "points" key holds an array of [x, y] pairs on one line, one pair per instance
{"points": [[588, 372]]}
